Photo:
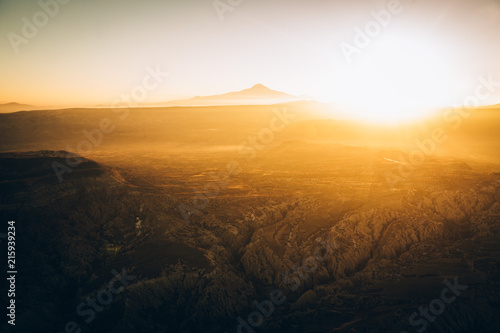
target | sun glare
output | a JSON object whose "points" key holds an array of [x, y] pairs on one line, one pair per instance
{"points": [[394, 80]]}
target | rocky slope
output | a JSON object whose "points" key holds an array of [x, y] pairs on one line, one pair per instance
{"points": [[341, 263]]}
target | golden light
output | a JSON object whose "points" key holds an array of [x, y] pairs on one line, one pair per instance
{"points": [[394, 79]]}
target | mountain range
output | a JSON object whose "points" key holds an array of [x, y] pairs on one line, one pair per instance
{"points": [[14, 107]]}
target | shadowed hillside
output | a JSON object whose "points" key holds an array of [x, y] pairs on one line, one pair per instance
{"points": [[317, 222]]}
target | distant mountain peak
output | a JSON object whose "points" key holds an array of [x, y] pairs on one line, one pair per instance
{"points": [[259, 86], [257, 90], [257, 94]]}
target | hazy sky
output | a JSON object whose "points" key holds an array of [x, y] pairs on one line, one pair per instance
{"points": [[91, 51]]}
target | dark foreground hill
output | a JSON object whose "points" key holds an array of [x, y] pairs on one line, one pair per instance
{"points": [[352, 255]]}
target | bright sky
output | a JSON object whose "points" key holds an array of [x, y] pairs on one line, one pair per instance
{"points": [[92, 51]]}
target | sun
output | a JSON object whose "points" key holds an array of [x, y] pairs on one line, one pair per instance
{"points": [[395, 79]]}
